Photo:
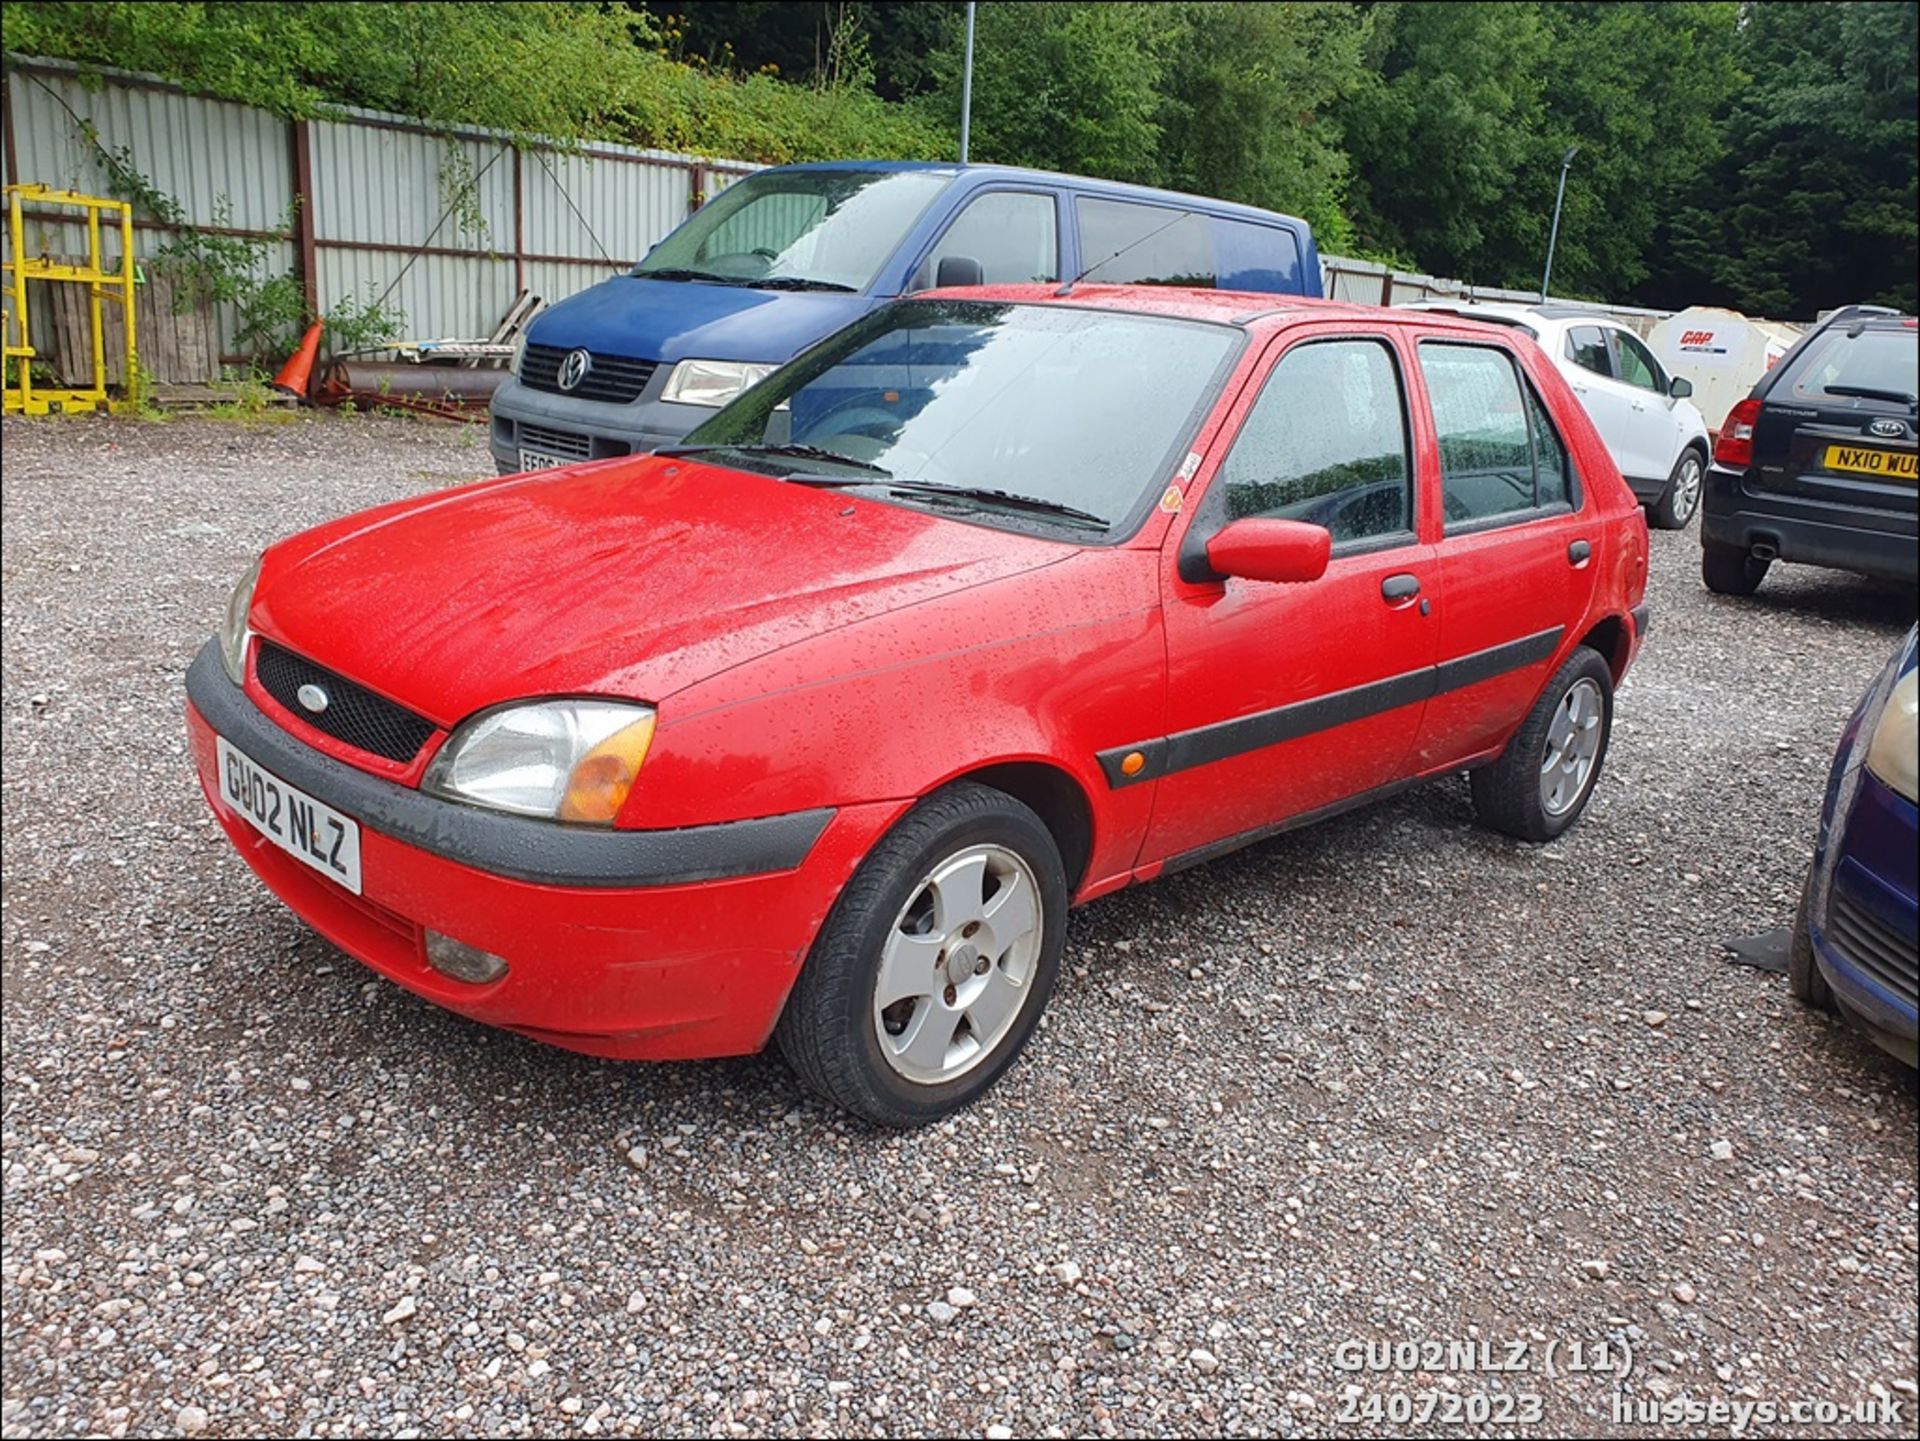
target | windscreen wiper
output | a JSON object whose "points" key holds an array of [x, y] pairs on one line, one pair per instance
{"points": [[679, 273], [1003, 499], [799, 282], [795, 449], [1871, 392]]}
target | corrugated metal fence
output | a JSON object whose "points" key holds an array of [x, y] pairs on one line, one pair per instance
{"points": [[448, 224]]}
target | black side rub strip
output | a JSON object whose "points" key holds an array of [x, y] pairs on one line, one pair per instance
{"points": [[502, 845], [1221, 741]]}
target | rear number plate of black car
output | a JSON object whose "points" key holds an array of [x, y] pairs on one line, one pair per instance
{"points": [[306, 829], [1863, 460]]}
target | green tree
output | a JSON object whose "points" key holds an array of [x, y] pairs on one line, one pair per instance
{"points": [[1814, 203], [1248, 107], [1442, 128], [1061, 86]]}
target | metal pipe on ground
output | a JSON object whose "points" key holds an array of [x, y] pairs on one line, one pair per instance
{"points": [[452, 392]]}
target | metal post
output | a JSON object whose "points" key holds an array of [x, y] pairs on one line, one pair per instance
{"points": [[966, 89], [1554, 235]]}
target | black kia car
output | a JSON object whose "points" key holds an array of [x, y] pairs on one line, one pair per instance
{"points": [[1817, 466]]}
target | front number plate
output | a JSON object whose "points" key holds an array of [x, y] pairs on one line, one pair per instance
{"points": [[540, 460], [1860, 460], [301, 826]]}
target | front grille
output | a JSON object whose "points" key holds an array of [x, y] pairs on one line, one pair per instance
{"points": [[354, 714], [618, 378], [564, 443], [1874, 946]]}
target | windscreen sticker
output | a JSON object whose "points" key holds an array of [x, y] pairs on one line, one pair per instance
{"points": [[1172, 500], [1189, 465]]}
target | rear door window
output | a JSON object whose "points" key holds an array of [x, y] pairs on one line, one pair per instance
{"points": [[1326, 443], [1501, 458], [1587, 348], [1126, 244], [1012, 233]]}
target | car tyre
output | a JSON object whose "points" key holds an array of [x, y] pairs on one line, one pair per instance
{"points": [[1680, 501], [1804, 979], [1541, 781], [1728, 570], [913, 917]]}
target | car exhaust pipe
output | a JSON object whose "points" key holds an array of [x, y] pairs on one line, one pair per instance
{"points": [[1765, 550]]}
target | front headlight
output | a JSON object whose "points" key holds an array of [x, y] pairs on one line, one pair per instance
{"points": [[712, 382], [1891, 753], [233, 629], [519, 354], [565, 760]]}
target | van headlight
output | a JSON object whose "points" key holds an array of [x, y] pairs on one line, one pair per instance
{"points": [[712, 382], [1891, 752], [563, 760], [233, 628]]}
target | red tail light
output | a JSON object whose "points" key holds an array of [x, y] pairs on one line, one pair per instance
{"points": [[1735, 447]]}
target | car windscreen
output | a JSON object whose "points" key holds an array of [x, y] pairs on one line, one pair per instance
{"points": [[798, 229], [1041, 414], [1846, 365]]}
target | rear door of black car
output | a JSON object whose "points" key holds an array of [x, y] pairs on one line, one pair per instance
{"points": [[1838, 423]]}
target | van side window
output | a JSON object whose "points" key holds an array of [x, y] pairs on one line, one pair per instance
{"points": [[1256, 257], [1126, 244], [1499, 455], [1013, 234], [1326, 443]]}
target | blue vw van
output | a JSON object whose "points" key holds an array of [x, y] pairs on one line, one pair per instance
{"points": [[785, 257]]}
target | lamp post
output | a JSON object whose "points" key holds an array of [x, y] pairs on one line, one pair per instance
{"points": [[966, 88], [1566, 161]]}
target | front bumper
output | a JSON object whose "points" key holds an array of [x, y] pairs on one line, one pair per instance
{"points": [[1865, 926], [1861, 539], [575, 430], [690, 953]]}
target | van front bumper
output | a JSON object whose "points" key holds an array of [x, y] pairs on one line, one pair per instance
{"points": [[639, 945], [571, 430]]}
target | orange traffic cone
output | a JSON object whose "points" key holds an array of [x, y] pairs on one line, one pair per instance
{"points": [[294, 377]]}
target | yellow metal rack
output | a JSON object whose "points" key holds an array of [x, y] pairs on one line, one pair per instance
{"points": [[21, 395]]}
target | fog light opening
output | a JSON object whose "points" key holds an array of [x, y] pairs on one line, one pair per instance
{"points": [[462, 961]]}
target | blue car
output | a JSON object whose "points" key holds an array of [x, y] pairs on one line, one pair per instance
{"points": [[784, 258], [1856, 941]]}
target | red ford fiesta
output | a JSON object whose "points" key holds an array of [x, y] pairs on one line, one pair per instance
{"points": [[812, 728]]}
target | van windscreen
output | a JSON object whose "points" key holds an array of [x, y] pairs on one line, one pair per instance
{"points": [[797, 229]]}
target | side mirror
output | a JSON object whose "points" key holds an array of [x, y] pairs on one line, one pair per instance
{"points": [[1278, 550], [956, 270], [1680, 387]]}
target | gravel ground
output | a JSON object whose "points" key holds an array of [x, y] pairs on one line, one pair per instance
{"points": [[1392, 1078]]}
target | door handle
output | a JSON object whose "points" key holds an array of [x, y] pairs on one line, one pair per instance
{"points": [[1579, 553], [1399, 589]]}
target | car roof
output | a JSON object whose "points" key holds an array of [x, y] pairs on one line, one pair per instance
{"points": [[1244, 308]]}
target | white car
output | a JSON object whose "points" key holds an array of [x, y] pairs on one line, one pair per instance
{"points": [[1657, 437]]}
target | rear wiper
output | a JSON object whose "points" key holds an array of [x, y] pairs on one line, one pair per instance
{"points": [[794, 449], [1004, 499], [1870, 392], [799, 282]]}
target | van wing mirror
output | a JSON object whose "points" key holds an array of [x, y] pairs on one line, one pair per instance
{"points": [[955, 270], [1680, 387]]}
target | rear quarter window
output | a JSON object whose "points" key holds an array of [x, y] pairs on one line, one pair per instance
{"points": [[1257, 257]]}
